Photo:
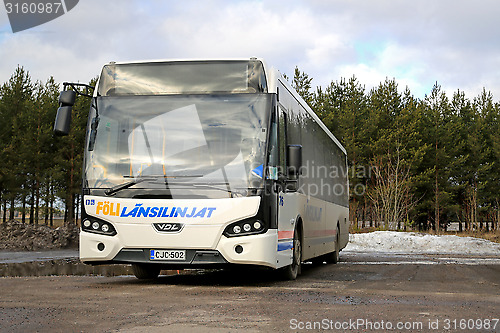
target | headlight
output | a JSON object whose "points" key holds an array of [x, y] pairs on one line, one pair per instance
{"points": [[245, 227], [97, 226]]}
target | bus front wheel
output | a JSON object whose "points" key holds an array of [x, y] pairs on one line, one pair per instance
{"points": [[291, 271]]}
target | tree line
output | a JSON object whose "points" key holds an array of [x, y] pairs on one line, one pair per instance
{"points": [[37, 170], [418, 163]]}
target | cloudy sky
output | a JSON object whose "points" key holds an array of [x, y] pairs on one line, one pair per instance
{"points": [[453, 42]]}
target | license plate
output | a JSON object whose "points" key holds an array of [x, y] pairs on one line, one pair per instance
{"points": [[179, 255]]}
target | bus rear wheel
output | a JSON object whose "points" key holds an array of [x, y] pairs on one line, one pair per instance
{"points": [[145, 271], [333, 257]]}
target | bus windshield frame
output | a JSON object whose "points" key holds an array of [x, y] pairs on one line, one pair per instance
{"points": [[182, 77]]}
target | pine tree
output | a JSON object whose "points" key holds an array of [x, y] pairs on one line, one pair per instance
{"points": [[302, 84], [15, 104], [435, 170], [487, 167]]}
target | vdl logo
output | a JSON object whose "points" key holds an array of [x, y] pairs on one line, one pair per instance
{"points": [[168, 227], [25, 14]]}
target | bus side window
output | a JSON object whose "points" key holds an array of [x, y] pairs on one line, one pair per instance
{"points": [[273, 151], [282, 141]]}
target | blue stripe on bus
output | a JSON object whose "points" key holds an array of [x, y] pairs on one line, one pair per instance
{"points": [[285, 246]]}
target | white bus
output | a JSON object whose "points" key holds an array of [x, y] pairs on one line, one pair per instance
{"points": [[196, 163]]}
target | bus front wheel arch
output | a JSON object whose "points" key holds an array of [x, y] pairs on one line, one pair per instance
{"points": [[293, 270]]}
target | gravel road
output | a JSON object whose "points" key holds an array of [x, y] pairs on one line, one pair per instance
{"points": [[365, 292]]}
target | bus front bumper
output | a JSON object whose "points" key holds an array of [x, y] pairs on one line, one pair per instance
{"points": [[251, 250]]}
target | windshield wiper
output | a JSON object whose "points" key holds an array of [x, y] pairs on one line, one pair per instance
{"points": [[93, 127], [238, 192], [168, 176], [214, 186], [123, 186], [131, 183]]}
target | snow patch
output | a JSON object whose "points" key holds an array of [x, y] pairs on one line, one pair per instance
{"points": [[412, 242]]}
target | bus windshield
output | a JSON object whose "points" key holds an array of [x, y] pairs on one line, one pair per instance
{"points": [[177, 142]]}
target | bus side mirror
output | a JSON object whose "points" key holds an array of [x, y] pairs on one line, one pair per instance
{"points": [[294, 160], [67, 97], [63, 119]]}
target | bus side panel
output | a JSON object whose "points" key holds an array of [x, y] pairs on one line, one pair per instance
{"points": [[333, 213], [316, 236], [323, 183], [344, 229], [290, 207], [337, 215], [319, 222]]}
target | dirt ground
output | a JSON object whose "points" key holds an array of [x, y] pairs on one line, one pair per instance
{"points": [[363, 293], [15, 235]]}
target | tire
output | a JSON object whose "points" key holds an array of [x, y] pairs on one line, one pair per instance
{"points": [[145, 271], [291, 272], [333, 257]]}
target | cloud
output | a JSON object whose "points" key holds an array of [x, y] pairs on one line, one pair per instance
{"points": [[418, 43]]}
